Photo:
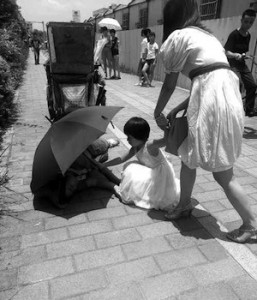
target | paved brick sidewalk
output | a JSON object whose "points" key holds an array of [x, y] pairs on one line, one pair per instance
{"points": [[98, 248]]}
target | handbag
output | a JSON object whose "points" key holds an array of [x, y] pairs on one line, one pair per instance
{"points": [[176, 133]]}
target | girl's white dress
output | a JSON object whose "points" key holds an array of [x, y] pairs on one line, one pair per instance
{"points": [[150, 182], [215, 112]]}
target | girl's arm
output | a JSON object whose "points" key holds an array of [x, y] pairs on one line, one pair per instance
{"points": [[167, 90], [154, 145], [119, 160]]}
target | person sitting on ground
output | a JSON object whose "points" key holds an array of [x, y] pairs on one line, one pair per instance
{"points": [[86, 172]]}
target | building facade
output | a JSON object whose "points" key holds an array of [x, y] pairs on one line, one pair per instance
{"points": [[146, 13]]}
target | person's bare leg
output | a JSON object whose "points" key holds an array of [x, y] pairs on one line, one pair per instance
{"points": [[117, 64], [236, 195], [239, 199], [144, 71], [187, 181], [114, 66]]}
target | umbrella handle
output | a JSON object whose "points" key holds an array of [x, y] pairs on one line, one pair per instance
{"points": [[112, 125]]}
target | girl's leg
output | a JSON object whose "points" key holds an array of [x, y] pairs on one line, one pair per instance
{"points": [[117, 64], [144, 71], [105, 64], [110, 59], [114, 66], [236, 195], [151, 73]]}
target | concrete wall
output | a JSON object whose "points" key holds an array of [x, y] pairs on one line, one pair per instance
{"points": [[130, 45], [231, 8], [155, 11]]}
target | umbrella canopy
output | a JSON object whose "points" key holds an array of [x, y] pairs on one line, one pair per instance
{"points": [[110, 23], [66, 140]]}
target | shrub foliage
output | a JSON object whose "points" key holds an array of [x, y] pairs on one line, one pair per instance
{"points": [[13, 56]]}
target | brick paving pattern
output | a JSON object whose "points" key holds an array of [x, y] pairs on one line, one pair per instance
{"points": [[98, 248]]}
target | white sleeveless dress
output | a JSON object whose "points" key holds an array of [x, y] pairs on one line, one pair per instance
{"points": [[215, 111], [150, 182]]}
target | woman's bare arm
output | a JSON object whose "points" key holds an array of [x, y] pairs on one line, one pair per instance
{"points": [[167, 90]]}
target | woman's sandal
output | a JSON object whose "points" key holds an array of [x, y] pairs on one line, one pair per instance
{"points": [[242, 234], [179, 213]]}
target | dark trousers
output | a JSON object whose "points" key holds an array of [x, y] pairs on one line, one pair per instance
{"points": [[250, 86], [36, 56]]}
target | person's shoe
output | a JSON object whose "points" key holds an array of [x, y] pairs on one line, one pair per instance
{"points": [[138, 84], [118, 77], [113, 77], [113, 142], [179, 213], [242, 234]]}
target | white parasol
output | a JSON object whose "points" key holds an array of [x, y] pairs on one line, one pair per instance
{"points": [[110, 23]]}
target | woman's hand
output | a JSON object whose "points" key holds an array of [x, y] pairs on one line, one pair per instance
{"points": [[161, 121], [171, 116]]}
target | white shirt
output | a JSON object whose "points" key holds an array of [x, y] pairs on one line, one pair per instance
{"points": [[143, 46], [151, 49]]}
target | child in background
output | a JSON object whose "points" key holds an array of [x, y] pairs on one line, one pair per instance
{"points": [[115, 55], [150, 182], [151, 59]]}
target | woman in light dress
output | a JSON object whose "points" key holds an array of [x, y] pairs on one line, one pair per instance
{"points": [[214, 110], [150, 182]]}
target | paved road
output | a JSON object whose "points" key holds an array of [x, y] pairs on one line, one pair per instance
{"points": [[98, 248]]}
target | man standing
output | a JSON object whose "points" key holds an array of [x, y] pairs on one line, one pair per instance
{"points": [[36, 48], [236, 47]]}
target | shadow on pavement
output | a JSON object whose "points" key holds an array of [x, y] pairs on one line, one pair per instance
{"points": [[85, 201], [192, 226]]}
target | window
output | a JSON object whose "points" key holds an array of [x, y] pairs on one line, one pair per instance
{"points": [[143, 18], [209, 9], [125, 21]]}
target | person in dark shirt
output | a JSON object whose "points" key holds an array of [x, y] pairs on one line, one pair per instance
{"points": [[236, 47], [36, 44]]}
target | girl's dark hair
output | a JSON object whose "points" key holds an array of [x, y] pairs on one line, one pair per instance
{"points": [[138, 128], [178, 14], [113, 31]]}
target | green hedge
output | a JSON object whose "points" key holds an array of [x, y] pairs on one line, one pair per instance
{"points": [[13, 56]]}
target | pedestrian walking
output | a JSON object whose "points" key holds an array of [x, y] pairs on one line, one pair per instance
{"points": [[151, 59], [143, 53], [215, 112], [115, 54], [35, 43], [150, 182], [236, 47]]}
